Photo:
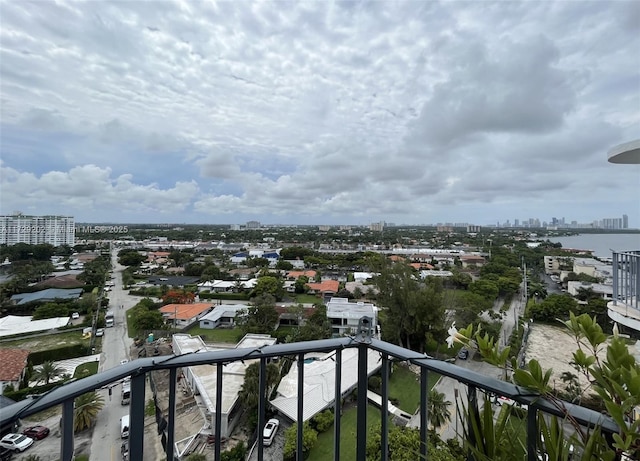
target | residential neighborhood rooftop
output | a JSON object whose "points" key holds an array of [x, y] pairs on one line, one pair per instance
{"points": [[184, 311], [13, 363]]}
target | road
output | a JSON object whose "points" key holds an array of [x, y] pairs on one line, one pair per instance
{"points": [[106, 441]]}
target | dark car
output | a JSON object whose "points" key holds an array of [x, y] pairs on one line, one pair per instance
{"points": [[36, 432], [463, 354], [5, 454]]}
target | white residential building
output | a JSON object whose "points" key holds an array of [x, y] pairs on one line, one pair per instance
{"points": [[202, 379], [34, 230], [319, 382], [224, 314], [345, 316]]}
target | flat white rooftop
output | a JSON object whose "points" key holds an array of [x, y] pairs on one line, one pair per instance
{"points": [[19, 324], [232, 373]]}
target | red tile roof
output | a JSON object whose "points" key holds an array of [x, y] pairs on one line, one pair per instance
{"points": [[13, 363], [297, 274], [327, 285], [185, 311]]}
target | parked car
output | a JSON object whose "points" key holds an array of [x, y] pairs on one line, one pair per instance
{"points": [[463, 354], [16, 442], [75, 316], [100, 332], [36, 432], [269, 432]]}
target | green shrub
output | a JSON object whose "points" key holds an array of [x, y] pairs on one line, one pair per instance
{"points": [[237, 453], [323, 421], [61, 353], [309, 439], [375, 383]]}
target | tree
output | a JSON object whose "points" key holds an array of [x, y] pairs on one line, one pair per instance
{"points": [[404, 445], [284, 265], [317, 325], [51, 310], [261, 317], [87, 407], [438, 411], [300, 285], [249, 393], [143, 319], [553, 307], [47, 372], [129, 257], [257, 262], [178, 296], [485, 288], [269, 285], [413, 312], [309, 439]]}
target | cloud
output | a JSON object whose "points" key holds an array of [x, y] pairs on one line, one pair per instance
{"points": [[319, 112]]}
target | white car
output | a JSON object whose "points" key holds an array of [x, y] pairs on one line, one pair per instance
{"points": [[75, 316], [16, 442], [123, 361], [269, 432], [100, 332]]}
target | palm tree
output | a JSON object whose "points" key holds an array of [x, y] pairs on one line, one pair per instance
{"points": [[87, 407], [47, 372], [438, 410]]}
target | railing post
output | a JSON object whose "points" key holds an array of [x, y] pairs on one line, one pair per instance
{"points": [[218, 429], [337, 406], [424, 412], [472, 414], [171, 424], [361, 444], [261, 391], [299, 439], [67, 448], [532, 433], [136, 417], [384, 436]]}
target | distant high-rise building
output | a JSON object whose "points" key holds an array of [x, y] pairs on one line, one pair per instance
{"points": [[377, 226], [34, 230], [625, 221], [253, 224]]}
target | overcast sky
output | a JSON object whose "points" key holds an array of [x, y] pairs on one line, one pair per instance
{"points": [[319, 112]]}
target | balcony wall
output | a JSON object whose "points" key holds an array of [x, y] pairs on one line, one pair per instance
{"points": [[137, 370]]}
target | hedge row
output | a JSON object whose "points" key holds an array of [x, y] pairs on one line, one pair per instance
{"points": [[61, 353], [229, 296], [22, 393]]}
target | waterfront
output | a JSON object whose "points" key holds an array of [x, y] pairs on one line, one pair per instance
{"points": [[601, 244]]}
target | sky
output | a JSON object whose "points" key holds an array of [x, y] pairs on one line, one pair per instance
{"points": [[310, 112]]}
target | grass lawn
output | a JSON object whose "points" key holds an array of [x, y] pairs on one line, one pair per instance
{"points": [[323, 449], [217, 335], [42, 343], [307, 299], [405, 387], [86, 369]]}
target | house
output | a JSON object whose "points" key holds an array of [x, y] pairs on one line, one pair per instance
{"points": [[425, 274], [472, 261], [48, 295], [14, 364], [319, 382], [603, 291], [202, 378], [223, 315], [325, 289], [345, 316], [182, 315], [297, 274], [21, 324]]}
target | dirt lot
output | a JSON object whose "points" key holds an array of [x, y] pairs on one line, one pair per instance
{"points": [[553, 348]]}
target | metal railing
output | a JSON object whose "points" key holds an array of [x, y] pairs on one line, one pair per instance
{"points": [[137, 370], [626, 278]]}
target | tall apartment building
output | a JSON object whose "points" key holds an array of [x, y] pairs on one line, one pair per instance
{"points": [[55, 230]]}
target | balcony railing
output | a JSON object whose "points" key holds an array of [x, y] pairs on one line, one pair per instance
{"points": [[626, 278], [137, 370]]}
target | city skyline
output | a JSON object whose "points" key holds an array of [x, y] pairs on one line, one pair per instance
{"points": [[317, 112]]}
